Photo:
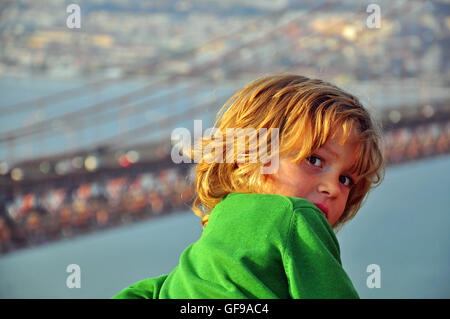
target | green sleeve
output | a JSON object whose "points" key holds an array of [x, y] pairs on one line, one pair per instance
{"points": [[144, 289], [312, 259]]}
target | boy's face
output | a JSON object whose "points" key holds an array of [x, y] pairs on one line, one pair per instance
{"points": [[323, 178]]}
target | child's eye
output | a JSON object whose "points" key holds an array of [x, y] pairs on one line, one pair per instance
{"points": [[347, 181], [314, 160]]}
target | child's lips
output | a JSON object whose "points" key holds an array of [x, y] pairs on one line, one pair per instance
{"points": [[323, 208]]}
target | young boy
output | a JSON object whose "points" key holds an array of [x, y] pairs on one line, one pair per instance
{"points": [[271, 234]]}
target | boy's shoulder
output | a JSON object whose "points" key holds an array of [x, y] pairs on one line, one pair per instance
{"points": [[255, 215], [269, 208], [252, 201]]}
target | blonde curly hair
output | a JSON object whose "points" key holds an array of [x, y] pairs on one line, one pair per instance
{"points": [[305, 112]]}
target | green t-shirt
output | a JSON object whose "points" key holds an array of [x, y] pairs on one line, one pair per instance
{"points": [[256, 246]]}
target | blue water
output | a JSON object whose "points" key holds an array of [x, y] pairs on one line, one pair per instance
{"points": [[402, 228], [108, 261]]}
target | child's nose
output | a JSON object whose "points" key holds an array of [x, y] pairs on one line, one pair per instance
{"points": [[329, 187]]}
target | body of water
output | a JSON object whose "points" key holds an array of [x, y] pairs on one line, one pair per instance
{"points": [[402, 228]]}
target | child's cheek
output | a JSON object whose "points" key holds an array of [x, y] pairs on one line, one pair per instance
{"points": [[308, 168]]}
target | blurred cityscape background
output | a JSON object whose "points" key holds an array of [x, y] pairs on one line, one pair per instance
{"points": [[86, 116]]}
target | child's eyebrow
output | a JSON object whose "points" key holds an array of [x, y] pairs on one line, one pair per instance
{"points": [[329, 150], [336, 156]]}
